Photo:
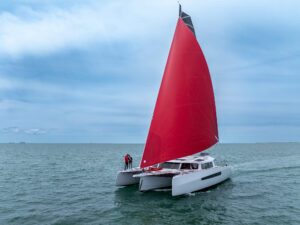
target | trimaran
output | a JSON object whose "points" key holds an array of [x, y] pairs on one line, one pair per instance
{"points": [[184, 123]]}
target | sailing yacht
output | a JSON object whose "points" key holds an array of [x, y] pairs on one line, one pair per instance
{"points": [[184, 123]]}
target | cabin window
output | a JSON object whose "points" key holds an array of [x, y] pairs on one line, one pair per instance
{"points": [[188, 166], [206, 165], [169, 165], [185, 166], [194, 166]]}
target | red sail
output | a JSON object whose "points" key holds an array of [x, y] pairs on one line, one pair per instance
{"points": [[184, 120]]}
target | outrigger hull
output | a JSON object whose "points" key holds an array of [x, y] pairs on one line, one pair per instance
{"points": [[125, 177], [199, 180]]}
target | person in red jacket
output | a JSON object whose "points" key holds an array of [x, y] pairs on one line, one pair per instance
{"points": [[126, 162], [129, 161]]}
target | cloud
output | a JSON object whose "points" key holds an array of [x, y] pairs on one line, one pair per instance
{"points": [[46, 31], [88, 110], [35, 131], [31, 31], [11, 130], [46, 92], [17, 130]]}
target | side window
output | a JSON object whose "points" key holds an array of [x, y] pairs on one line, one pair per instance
{"points": [[194, 166], [206, 165], [185, 166]]}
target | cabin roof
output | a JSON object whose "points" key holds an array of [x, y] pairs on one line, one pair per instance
{"points": [[193, 159]]}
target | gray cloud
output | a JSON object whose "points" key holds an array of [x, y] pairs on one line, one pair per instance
{"points": [[11, 130], [30, 31], [35, 131], [17, 130]]}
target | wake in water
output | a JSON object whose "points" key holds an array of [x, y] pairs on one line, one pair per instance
{"points": [[272, 165]]}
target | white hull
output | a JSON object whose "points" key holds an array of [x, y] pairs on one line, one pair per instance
{"points": [[148, 183], [125, 177], [184, 175], [198, 180]]}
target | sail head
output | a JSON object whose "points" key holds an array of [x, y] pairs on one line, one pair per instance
{"points": [[186, 19]]}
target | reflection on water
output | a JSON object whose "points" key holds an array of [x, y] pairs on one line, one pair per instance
{"points": [[155, 205], [132, 193]]}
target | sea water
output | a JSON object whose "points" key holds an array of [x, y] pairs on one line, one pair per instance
{"points": [[75, 184]]}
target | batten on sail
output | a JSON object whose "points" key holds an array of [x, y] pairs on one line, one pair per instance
{"points": [[184, 121]]}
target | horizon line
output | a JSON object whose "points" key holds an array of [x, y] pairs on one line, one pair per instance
{"points": [[24, 142]]}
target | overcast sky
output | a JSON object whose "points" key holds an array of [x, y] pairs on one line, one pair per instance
{"points": [[89, 71]]}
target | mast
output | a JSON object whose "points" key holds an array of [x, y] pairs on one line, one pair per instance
{"points": [[184, 121]]}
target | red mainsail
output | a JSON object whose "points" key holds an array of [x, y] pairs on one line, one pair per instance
{"points": [[184, 121]]}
